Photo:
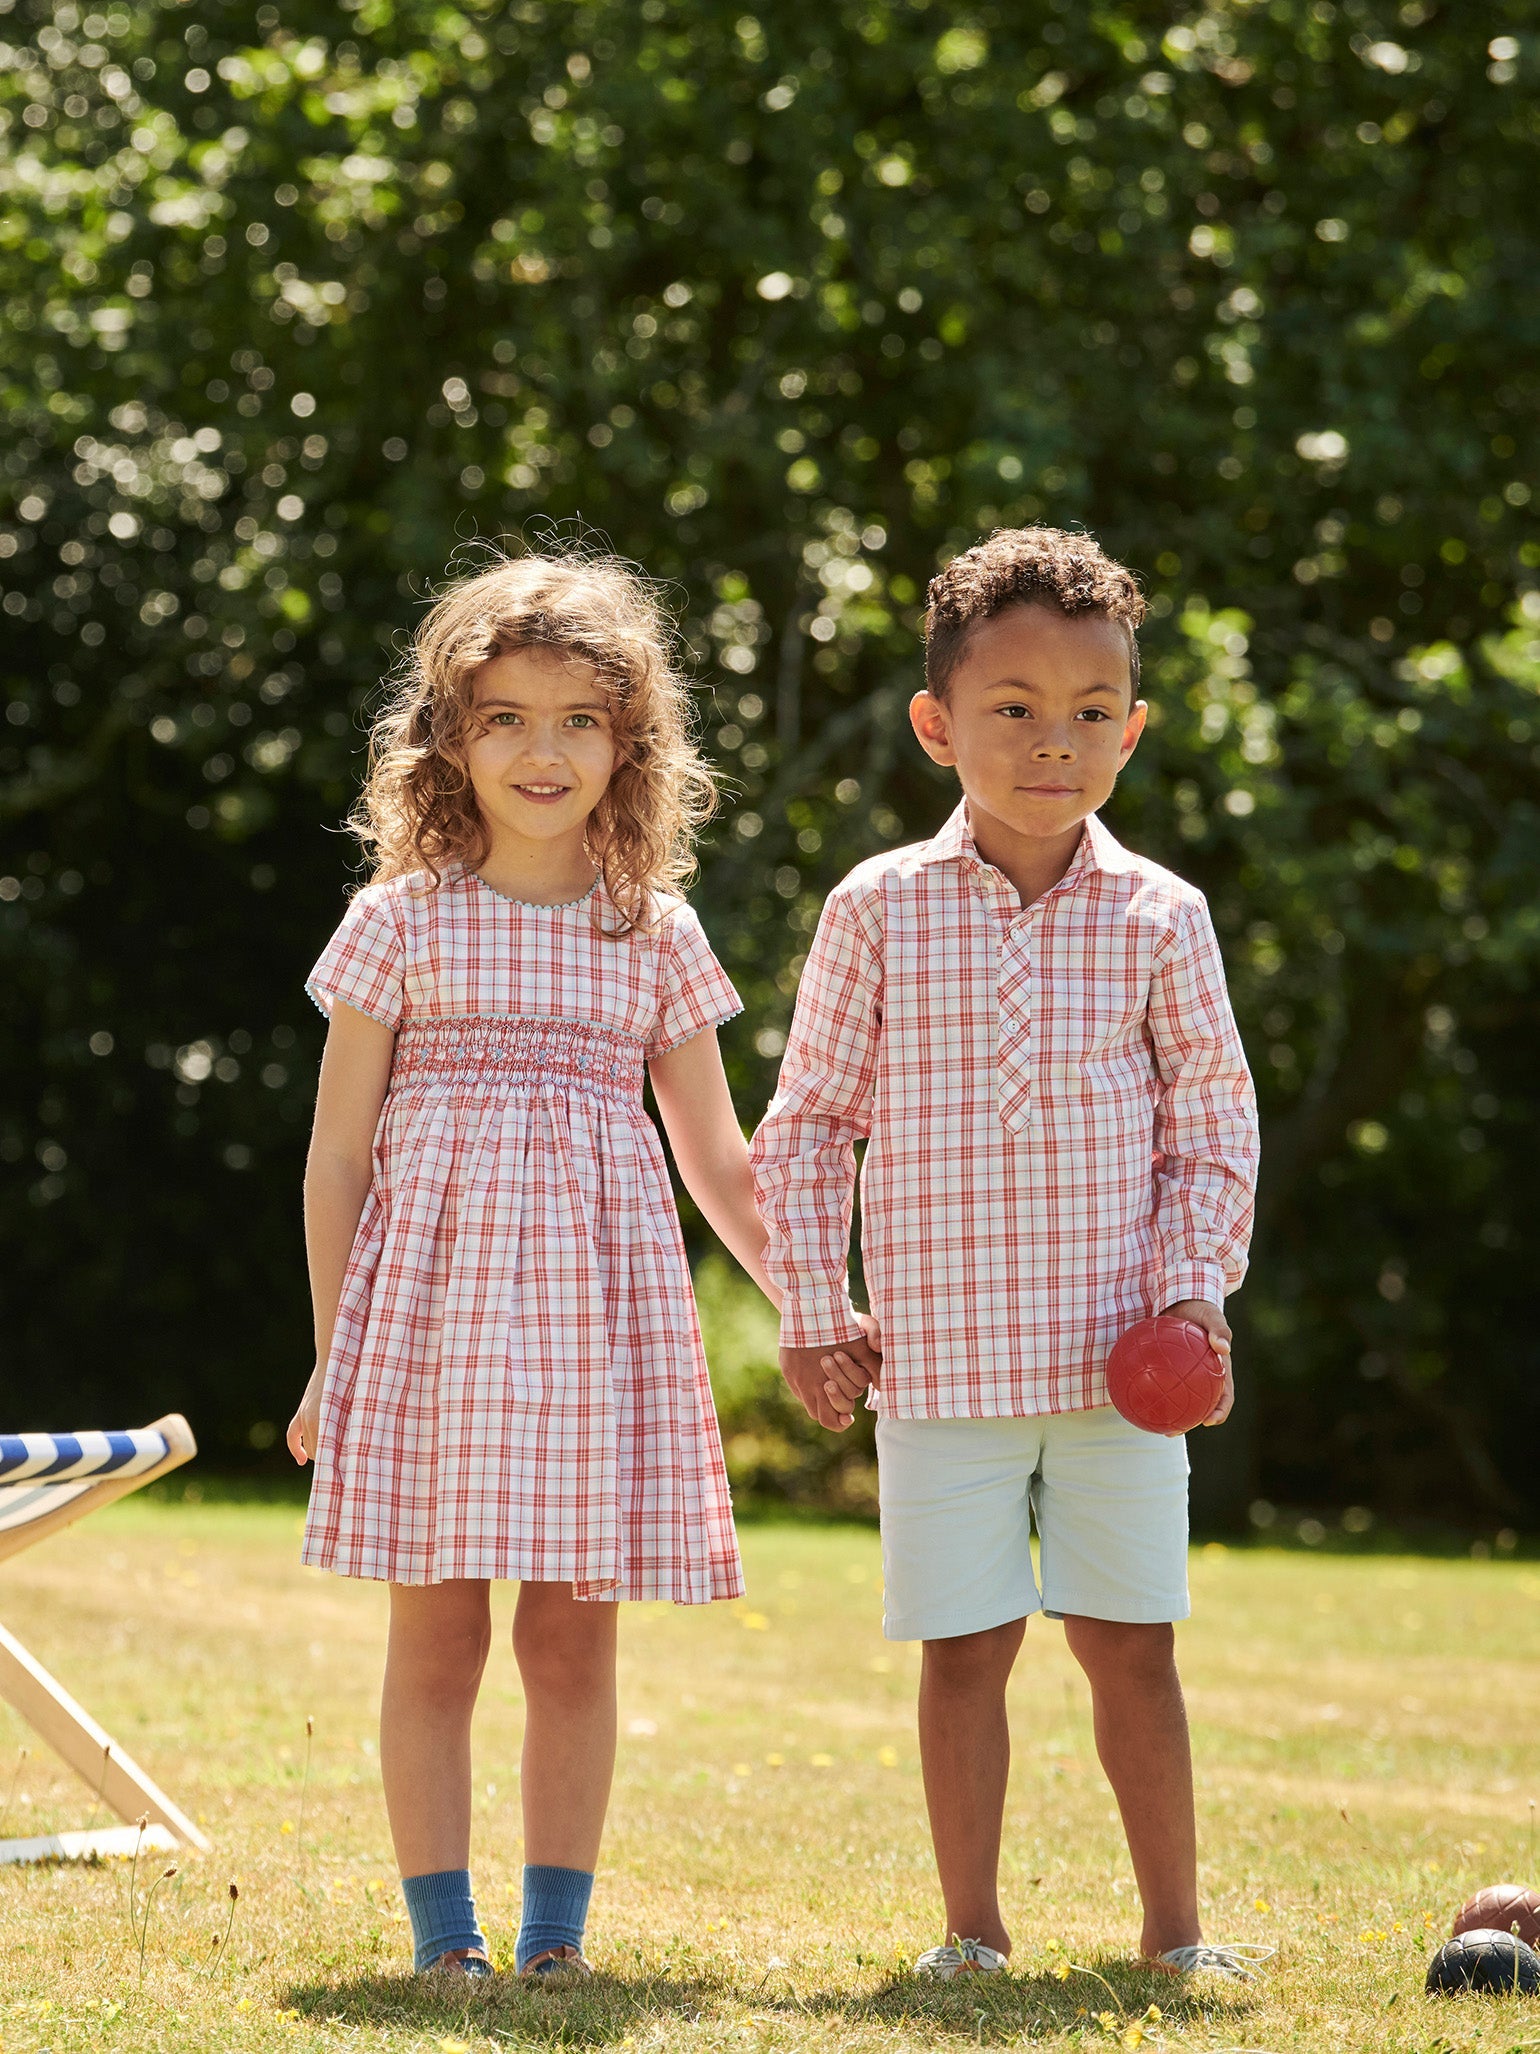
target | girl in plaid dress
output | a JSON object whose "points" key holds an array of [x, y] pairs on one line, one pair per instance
{"points": [[509, 1379]]}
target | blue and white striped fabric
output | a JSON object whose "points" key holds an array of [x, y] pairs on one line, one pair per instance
{"points": [[62, 1458]]}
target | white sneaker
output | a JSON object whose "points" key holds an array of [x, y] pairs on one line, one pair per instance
{"points": [[1240, 1963], [959, 1957]]}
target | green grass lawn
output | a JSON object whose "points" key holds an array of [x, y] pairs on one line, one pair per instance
{"points": [[1365, 1732]]}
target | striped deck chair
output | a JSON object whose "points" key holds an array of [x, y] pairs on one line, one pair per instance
{"points": [[48, 1481]]}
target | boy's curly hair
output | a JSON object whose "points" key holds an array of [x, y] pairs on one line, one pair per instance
{"points": [[418, 810], [1025, 567]]}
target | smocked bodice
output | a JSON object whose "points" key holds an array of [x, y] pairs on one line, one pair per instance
{"points": [[518, 1053]]}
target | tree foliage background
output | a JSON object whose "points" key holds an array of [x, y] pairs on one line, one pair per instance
{"points": [[301, 298]]}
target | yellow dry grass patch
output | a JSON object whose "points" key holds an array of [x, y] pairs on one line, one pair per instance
{"points": [[1365, 1733]]}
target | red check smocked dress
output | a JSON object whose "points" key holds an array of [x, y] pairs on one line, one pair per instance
{"points": [[516, 1385]]}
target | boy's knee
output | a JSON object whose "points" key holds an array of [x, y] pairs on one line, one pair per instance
{"points": [[1117, 1647], [967, 1661]]}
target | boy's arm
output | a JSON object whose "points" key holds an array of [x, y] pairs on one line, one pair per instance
{"points": [[804, 1151], [1205, 1121]]}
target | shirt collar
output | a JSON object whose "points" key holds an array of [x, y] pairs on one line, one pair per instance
{"points": [[1099, 848], [952, 841]]}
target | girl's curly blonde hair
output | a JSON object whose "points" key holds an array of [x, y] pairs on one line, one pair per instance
{"points": [[418, 810]]}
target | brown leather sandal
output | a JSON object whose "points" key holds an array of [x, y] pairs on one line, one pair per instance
{"points": [[557, 1964], [463, 1961]]}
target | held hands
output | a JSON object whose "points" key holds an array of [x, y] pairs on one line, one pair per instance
{"points": [[829, 1381], [1217, 1327], [304, 1426]]}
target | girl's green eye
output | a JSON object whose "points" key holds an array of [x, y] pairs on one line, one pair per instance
{"points": [[582, 720]]}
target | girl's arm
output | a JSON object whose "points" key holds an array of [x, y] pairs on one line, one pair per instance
{"points": [[355, 1072], [690, 1086]]}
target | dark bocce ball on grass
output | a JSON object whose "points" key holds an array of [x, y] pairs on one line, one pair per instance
{"points": [[1491, 1963]]}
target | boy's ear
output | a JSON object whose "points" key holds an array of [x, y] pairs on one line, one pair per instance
{"points": [[1133, 728], [932, 725]]}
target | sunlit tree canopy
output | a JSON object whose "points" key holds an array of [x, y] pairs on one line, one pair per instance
{"points": [[301, 302]]}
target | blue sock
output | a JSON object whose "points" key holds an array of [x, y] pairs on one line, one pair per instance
{"points": [[554, 1911], [443, 1914]]}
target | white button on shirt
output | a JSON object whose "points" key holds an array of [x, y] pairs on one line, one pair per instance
{"points": [[1060, 1121]]}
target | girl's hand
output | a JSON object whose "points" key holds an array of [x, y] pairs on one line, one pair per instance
{"points": [[873, 1333], [857, 1371], [304, 1427]]}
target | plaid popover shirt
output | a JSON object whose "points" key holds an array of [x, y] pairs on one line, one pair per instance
{"points": [[1061, 1124]]}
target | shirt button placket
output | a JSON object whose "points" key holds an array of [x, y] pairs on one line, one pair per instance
{"points": [[1014, 1065]]}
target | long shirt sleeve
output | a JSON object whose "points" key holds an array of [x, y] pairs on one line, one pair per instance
{"points": [[804, 1150], [1205, 1118]]}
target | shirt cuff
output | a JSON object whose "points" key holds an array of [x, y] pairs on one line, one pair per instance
{"points": [[818, 1318], [1205, 1280]]}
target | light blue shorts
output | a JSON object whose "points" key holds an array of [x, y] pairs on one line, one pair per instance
{"points": [[959, 1498]]}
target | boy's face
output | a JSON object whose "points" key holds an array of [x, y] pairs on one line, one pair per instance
{"points": [[1038, 719]]}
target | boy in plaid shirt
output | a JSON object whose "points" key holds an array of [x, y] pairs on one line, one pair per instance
{"points": [[1029, 1026]]}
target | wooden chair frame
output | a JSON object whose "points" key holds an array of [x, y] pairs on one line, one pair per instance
{"points": [[114, 1778]]}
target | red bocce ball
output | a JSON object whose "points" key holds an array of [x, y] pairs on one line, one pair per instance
{"points": [[1164, 1375], [1506, 1908]]}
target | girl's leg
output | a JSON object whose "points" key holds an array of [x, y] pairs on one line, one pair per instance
{"points": [[566, 1654], [566, 1657], [439, 1636]]}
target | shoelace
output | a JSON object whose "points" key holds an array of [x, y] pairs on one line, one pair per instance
{"points": [[969, 1954], [1222, 1959]]}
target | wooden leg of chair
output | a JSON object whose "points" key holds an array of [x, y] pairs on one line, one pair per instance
{"points": [[92, 1753]]}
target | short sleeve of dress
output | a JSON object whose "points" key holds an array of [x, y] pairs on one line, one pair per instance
{"points": [[364, 963], [694, 991]]}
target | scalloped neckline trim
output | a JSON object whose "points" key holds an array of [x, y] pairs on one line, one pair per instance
{"points": [[534, 905]]}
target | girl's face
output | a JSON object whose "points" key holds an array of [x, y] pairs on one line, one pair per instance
{"points": [[543, 751]]}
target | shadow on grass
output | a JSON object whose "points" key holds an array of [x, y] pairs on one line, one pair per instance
{"points": [[607, 2008], [991, 2009], [591, 2013]]}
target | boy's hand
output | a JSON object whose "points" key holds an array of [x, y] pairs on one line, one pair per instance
{"points": [[1217, 1327], [304, 1426], [830, 1380]]}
